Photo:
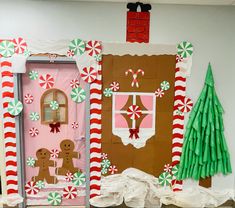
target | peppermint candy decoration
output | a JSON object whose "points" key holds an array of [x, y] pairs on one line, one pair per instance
{"points": [[78, 46], [74, 125], [46, 81], [54, 105], [113, 169], [104, 171], [40, 184], [174, 170], [20, 45], [114, 86], [108, 92], [33, 132], [28, 99], [165, 85], [167, 168], [185, 49], [104, 156], [88, 74], [31, 188], [74, 83], [79, 179], [54, 153], [70, 192], [178, 58], [70, 53], [159, 93], [15, 107], [30, 161], [6, 48], [178, 112], [165, 179], [54, 198], [33, 75], [78, 95], [93, 47], [185, 105], [69, 177], [34, 116], [27, 53], [98, 57], [105, 163], [134, 112]]}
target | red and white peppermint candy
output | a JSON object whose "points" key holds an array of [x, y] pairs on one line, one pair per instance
{"points": [[70, 53], [31, 188], [74, 83], [113, 169], [178, 58], [33, 132], [93, 47], [20, 45], [70, 192], [167, 168], [89, 74], [114, 86], [104, 156], [159, 92], [185, 105], [74, 125], [54, 153], [69, 177], [46, 81], [28, 98], [134, 112]]}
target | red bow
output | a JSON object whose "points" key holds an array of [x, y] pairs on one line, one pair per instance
{"points": [[55, 127], [134, 133]]}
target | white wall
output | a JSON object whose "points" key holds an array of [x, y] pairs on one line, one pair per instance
{"points": [[210, 29]]}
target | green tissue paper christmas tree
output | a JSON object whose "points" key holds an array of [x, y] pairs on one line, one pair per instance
{"points": [[205, 151]]}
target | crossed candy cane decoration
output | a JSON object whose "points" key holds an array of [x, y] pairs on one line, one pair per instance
{"points": [[134, 75]]}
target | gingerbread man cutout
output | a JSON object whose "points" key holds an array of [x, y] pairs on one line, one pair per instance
{"points": [[43, 162], [67, 154]]}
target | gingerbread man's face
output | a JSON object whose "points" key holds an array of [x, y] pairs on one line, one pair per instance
{"points": [[67, 145], [43, 154]]}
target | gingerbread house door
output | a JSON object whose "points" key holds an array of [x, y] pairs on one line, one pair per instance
{"points": [[54, 135]]}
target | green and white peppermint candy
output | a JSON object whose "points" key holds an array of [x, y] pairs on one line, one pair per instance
{"points": [[174, 170], [15, 107], [34, 116], [7, 48], [108, 92], [104, 171], [165, 85], [105, 163], [54, 105], [27, 53], [78, 95], [30, 161], [40, 184], [79, 179], [185, 49], [98, 57], [33, 75], [54, 198], [78, 46], [165, 179]]}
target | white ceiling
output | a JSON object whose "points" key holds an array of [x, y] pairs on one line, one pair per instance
{"points": [[191, 2]]}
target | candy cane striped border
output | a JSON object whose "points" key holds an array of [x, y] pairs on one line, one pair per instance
{"points": [[95, 134], [9, 130], [178, 125]]}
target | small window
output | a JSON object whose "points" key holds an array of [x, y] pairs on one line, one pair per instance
{"points": [[48, 115]]}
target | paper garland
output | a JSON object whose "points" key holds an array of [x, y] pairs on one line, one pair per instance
{"points": [[6, 48], [31, 188], [108, 92], [159, 93], [30, 161], [114, 86], [78, 46], [19, 45], [15, 107], [185, 105], [34, 116], [33, 132], [134, 112], [69, 177], [165, 85], [54, 198], [46, 81], [185, 49], [165, 179], [54, 105], [33, 75], [40, 184], [74, 83], [79, 179], [93, 47], [78, 95], [88, 74], [28, 99], [70, 192]]}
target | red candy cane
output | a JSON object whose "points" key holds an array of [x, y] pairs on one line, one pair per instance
{"points": [[135, 75]]}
